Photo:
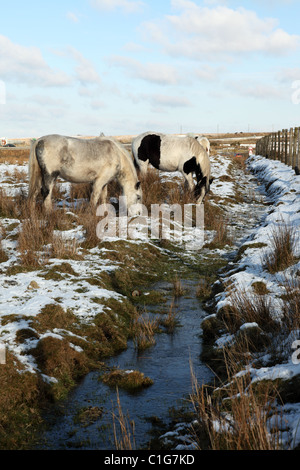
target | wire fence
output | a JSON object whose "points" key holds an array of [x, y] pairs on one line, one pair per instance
{"points": [[282, 145]]}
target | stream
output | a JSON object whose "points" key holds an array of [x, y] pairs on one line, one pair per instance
{"points": [[168, 363]]}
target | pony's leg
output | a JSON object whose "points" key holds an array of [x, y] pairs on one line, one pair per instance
{"points": [[103, 195], [189, 181], [99, 189], [202, 194], [47, 194], [143, 166], [47, 187]]}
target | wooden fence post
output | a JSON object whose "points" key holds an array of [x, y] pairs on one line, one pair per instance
{"points": [[285, 146], [257, 147], [275, 146], [295, 144], [279, 146], [265, 151], [290, 153], [297, 160]]}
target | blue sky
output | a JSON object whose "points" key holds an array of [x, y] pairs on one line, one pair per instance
{"points": [[128, 66]]}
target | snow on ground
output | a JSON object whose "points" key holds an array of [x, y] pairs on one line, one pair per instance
{"points": [[24, 294], [283, 189], [284, 192], [19, 299]]}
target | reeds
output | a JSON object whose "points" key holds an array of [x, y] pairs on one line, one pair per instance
{"points": [[282, 241], [291, 308], [123, 429], [178, 289], [247, 307], [235, 416], [169, 320], [144, 329]]}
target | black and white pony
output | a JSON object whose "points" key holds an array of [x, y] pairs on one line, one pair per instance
{"points": [[96, 161], [175, 153], [202, 140]]}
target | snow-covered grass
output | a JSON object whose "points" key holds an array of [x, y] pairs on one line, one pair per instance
{"points": [[272, 294], [88, 284]]}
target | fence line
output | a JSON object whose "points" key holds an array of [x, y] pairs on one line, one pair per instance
{"points": [[282, 145]]}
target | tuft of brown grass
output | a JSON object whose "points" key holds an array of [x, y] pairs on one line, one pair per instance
{"points": [[123, 428], [204, 289], [156, 191], [214, 219], [152, 188], [128, 380], [178, 289], [88, 218], [235, 415], [36, 232], [169, 321], [282, 241], [65, 249], [291, 309], [246, 307], [10, 207], [144, 329]]}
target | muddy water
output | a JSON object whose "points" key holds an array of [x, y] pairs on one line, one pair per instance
{"points": [[168, 363]]}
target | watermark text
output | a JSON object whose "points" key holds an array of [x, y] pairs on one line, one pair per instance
{"points": [[176, 222]]}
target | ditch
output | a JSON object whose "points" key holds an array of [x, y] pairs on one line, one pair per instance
{"points": [[85, 420]]}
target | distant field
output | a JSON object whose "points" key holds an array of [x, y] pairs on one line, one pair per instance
{"points": [[22, 149]]}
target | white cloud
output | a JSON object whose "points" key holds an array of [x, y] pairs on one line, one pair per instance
{"points": [[170, 101], [85, 71], [257, 90], [97, 104], [129, 6], [160, 101], [72, 17], [23, 64], [161, 74], [289, 75], [207, 73], [220, 32]]}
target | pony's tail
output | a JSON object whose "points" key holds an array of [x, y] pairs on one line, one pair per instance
{"points": [[34, 172]]}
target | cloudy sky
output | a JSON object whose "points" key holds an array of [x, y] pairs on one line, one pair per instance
{"points": [[128, 66]]}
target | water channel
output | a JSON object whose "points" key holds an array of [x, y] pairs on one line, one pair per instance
{"points": [[168, 363]]}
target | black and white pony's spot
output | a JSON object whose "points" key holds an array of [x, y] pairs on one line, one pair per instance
{"points": [[190, 166], [149, 149]]}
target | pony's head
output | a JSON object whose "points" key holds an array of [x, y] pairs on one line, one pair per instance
{"points": [[134, 200], [202, 188], [204, 142]]}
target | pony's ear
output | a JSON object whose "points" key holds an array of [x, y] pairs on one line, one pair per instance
{"points": [[138, 184], [196, 137], [211, 180]]}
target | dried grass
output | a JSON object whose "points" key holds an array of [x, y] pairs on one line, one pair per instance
{"points": [[282, 241], [246, 307], [235, 416], [144, 329], [123, 429]]}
